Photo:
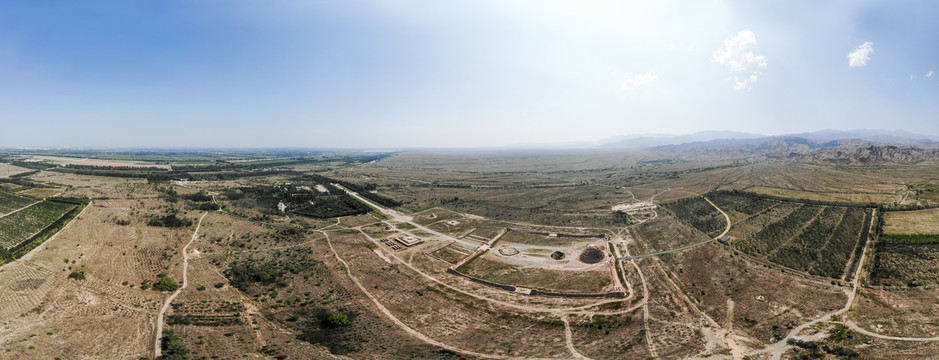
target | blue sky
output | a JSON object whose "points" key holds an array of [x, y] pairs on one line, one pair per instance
{"points": [[214, 73]]}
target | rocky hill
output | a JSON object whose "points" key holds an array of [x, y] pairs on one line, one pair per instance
{"points": [[847, 151], [868, 155]]}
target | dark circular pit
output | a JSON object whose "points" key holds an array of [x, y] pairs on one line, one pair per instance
{"points": [[591, 255]]}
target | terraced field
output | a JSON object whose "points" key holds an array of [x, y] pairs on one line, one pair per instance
{"points": [[19, 226]]}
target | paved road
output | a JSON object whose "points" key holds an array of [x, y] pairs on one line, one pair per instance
{"points": [[726, 230]]}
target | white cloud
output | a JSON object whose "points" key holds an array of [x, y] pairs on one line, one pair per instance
{"points": [[929, 74], [737, 55], [859, 56], [911, 77], [637, 81]]}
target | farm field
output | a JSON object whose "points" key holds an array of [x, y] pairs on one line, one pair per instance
{"points": [[60, 160], [17, 227], [453, 252], [7, 170], [697, 212], [912, 222], [907, 312], [820, 240], [10, 201], [741, 206], [906, 261], [848, 197], [666, 232]]}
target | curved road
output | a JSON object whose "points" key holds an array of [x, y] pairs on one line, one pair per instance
{"points": [[775, 349], [726, 230], [395, 319], [864, 331]]}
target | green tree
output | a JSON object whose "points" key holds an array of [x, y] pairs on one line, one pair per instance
{"points": [[338, 320], [77, 275], [173, 347], [166, 283]]}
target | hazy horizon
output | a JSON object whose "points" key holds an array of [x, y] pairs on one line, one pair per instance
{"points": [[614, 143], [462, 74]]}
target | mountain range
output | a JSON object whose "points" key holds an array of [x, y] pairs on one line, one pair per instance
{"points": [[723, 139]]}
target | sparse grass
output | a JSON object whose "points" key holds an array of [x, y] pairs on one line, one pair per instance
{"points": [[902, 265], [453, 253], [40, 193], [850, 197], [912, 222], [546, 190], [7, 170], [566, 281]]}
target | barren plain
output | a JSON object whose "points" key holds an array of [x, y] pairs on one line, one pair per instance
{"points": [[502, 256]]}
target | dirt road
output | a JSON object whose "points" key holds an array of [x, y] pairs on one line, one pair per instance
{"points": [[157, 349], [395, 319], [569, 339], [17, 210], [726, 230]]}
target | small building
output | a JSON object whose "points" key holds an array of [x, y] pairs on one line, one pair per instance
{"points": [[723, 239], [408, 241]]}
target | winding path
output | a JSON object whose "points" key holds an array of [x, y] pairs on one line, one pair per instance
{"points": [[569, 339], [563, 313], [395, 319], [726, 230], [775, 350], [864, 331], [157, 349]]}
